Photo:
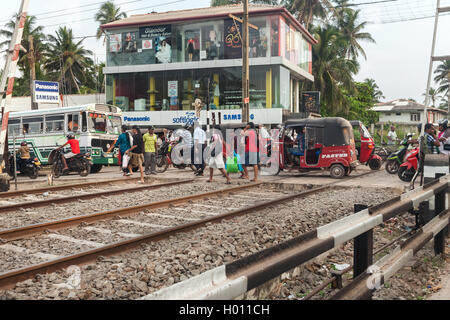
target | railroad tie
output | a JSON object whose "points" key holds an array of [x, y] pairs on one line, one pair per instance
{"points": [[141, 224], [172, 217], [106, 231], [41, 255], [73, 240]]}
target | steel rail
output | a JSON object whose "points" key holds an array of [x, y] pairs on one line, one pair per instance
{"points": [[46, 202], [20, 232], [62, 187], [238, 277], [8, 279]]}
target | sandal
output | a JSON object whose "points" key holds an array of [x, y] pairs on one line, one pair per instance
{"points": [[228, 182], [209, 181]]}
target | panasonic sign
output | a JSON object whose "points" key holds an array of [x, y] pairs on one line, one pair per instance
{"points": [[46, 92]]}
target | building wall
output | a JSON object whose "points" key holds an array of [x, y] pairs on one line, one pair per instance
{"points": [[24, 103]]}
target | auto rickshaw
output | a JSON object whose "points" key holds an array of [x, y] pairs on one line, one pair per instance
{"points": [[365, 145], [318, 144]]}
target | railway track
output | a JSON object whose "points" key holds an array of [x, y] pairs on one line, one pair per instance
{"points": [[150, 222], [11, 194]]}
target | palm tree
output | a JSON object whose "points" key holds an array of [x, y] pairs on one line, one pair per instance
{"points": [[107, 13], [434, 96], [378, 94], [332, 71], [36, 55], [443, 77], [306, 10], [67, 61], [351, 30]]}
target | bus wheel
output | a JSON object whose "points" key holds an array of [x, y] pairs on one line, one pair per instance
{"points": [[337, 171], [96, 168]]}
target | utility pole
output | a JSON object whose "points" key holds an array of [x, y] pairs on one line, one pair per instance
{"points": [[32, 63], [433, 58], [245, 67], [9, 76]]}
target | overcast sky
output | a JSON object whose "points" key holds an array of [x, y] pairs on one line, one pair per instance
{"points": [[398, 61]]}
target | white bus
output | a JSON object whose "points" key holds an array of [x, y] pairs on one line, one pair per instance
{"points": [[96, 126]]}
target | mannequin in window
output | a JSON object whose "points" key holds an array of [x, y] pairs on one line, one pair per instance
{"points": [[190, 48]]}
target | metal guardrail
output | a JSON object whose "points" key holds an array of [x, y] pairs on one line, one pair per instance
{"points": [[234, 279]]}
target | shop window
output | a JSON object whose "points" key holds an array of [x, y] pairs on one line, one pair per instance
{"points": [[33, 125], [54, 123], [192, 45], [274, 35]]}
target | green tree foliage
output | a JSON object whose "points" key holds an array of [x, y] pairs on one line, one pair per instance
{"points": [[360, 104], [68, 61], [107, 13]]}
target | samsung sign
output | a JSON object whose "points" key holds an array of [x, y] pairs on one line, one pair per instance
{"points": [[46, 92]]}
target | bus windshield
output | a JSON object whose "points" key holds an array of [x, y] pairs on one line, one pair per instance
{"points": [[101, 123], [114, 124]]}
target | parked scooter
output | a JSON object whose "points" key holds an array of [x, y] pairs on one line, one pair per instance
{"points": [[408, 169], [27, 167], [395, 159]]}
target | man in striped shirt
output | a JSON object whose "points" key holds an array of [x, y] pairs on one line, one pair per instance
{"points": [[432, 141]]}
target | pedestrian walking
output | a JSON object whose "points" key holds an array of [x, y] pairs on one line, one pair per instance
{"points": [[216, 160], [124, 142], [199, 147], [251, 151], [150, 148], [136, 152]]}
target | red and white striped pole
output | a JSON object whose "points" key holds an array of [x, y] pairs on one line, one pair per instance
{"points": [[10, 73]]}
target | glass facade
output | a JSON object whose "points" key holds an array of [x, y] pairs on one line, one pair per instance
{"points": [[177, 90], [271, 85], [207, 40]]}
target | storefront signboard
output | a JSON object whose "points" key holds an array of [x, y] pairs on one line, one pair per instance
{"points": [[233, 43], [178, 118], [155, 31], [310, 102], [172, 88]]}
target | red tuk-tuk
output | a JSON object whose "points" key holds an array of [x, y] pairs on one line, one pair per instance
{"points": [[366, 146], [317, 144]]}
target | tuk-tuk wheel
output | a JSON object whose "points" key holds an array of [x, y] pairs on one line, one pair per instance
{"points": [[337, 171]]}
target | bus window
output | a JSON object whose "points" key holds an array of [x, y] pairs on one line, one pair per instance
{"points": [[84, 122], [14, 127], [33, 125], [54, 123], [73, 121]]}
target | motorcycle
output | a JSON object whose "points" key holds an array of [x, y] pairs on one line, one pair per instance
{"points": [[408, 169], [395, 159], [80, 163], [164, 160], [28, 167]]}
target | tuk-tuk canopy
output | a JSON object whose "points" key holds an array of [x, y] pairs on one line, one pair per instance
{"points": [[336, 131]]}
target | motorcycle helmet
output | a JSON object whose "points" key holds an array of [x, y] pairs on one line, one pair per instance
{"points": [[70, 136], [443, 123], [23, 143]]}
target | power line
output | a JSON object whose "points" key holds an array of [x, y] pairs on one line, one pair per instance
{"points": [[93, 18]]}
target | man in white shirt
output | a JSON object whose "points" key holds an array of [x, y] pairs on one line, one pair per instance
{"points": [[199, 147], [392, 136]]}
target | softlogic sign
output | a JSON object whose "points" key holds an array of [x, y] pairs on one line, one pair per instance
{"points": [[46, 92]]}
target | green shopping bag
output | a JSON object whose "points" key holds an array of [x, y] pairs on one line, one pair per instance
{"points": [[231, 165]]}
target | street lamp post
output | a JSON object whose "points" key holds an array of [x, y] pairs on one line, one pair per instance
{"points": [[245, 66]]}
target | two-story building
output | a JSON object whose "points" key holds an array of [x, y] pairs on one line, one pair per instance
{"points": [[407, 112], [158, 64]]}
